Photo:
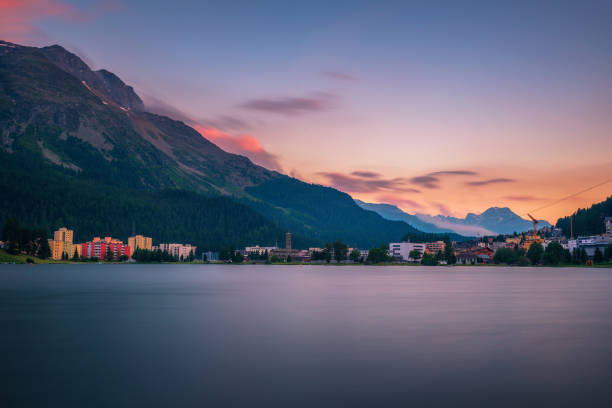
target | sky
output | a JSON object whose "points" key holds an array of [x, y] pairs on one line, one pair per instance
{"points": [[431, 106]]}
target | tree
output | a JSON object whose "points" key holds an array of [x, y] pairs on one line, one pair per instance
{"points": [[598, 256], [608, 253], [449, 253], [583, 256], [553, 254], [109, 253], [535, 253], [506, 256], [355, 255], [225, 254], [523, 261], [378, 255], [44, 251], [415, 255], [11, 233], [237, 257], [429, 260], [328, 252], [340, 251], [75, 256]]}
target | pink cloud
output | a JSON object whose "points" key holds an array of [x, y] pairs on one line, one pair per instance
{"points": [[18, 17], [243, 144], [443, 209], [399, 201]]}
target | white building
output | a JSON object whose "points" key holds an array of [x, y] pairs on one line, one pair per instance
{"points": [[259, 250], [401, 250], [435, 247], [178, 250]]}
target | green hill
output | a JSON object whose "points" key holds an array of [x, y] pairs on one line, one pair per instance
{"points": [[587, 221], [80, 151]]}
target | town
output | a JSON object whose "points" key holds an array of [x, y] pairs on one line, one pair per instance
{"points": [[546, 246]]}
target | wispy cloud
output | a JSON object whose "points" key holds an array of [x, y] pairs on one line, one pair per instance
{"points": [[366, 174], [18, 18], [247, 145], [432, 180], [291, 105], [523, 198], [340, 76], [370, 183], [426, 181], [224, 122], [399, 201], [453, 173], [443, 209], [489, 181]]}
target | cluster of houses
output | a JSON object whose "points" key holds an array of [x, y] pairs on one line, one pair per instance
{"points": [[109, 248], [483, 251], [469, 252], [480, 251]]}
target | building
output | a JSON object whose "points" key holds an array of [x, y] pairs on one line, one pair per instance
{"points": [[61, 245], [259, 250], [467, 258], [608, 223], [210, 256], [363, 254], [64, 235], [288, 241], [101, 248], [179, 251], [287, 251], [435, 247], [401, 250], [57, 249], [140, 242], [592, 243]]}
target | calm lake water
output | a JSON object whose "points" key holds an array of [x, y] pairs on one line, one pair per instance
{"points": [[304, 336]]}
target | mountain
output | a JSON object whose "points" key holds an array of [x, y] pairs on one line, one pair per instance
{"points": [[79, 129], [587, 221], [391, 212], [493, 221]]}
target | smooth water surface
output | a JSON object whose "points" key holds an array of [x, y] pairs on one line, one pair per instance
{"points": [[307, 336]]}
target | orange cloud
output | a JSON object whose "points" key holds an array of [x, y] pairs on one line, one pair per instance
{"points": [[244, 144]]}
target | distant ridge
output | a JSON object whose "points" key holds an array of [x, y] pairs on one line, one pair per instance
{"points": [[493, 221]]}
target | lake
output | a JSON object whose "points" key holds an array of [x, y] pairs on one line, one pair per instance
{"points": [[304, 336]]}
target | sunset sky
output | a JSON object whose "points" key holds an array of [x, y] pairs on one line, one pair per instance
{"points": [[438, 109]]}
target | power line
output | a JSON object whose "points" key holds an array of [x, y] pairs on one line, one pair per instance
{"points": [[570, 196]]}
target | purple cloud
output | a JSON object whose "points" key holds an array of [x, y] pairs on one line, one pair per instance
{"points": [[522, 198], [351, 183], [341, 76], [290, 105], [426, 181], [453, 173], [489, 181], [365, 174], [432, 179]]}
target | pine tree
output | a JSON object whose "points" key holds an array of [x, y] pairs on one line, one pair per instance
{"points": [[109, 253], [44, 251], [11, 233], [608, 253], [598, 256]]}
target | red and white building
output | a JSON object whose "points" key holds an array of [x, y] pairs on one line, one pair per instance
{"points": [[98, 248]]}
